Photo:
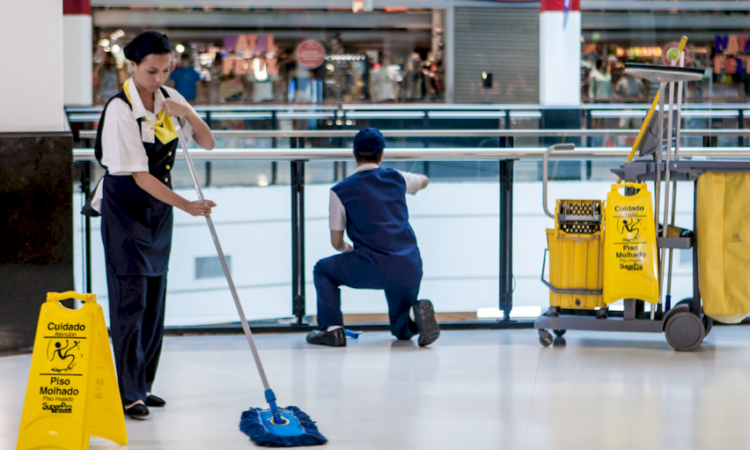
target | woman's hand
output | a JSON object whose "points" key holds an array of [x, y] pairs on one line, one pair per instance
{"points": [[199, 208], [174, 109]]}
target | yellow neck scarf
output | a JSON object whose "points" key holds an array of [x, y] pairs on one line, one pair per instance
{"points": [[163, 127]]}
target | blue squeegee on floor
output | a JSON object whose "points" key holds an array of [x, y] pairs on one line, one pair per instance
{"points": [[272, 427]]}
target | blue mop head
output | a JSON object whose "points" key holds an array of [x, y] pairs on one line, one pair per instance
{"points": [[299, 431]]}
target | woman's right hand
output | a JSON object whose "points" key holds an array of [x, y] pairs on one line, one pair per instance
{"points": [[199, 208]]}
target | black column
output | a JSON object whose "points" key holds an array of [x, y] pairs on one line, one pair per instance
{"points": [[298, 238], [506, 238], [36, 184]]}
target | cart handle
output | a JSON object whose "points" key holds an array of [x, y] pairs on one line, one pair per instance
{"points": [[556, 147], [565, 291]]}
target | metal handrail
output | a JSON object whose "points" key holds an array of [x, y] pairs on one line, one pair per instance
{"points": [[425, 107], [434, 154], [91, 134]]}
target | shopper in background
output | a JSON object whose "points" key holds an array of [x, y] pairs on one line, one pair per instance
{"points": [[600, 81], [629, 88], [186, 79], [107, 79], [217, 76]]}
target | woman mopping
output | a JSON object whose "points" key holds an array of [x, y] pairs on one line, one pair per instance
{"points": [[136, 143]]}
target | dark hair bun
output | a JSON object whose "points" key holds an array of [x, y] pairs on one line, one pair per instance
{"points": [[150, 42]]}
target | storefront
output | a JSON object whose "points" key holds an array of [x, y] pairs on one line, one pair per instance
{"points": [[614, 39], [384, 56]]}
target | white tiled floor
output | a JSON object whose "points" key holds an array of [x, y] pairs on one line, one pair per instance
{"points": [[471, 390]]}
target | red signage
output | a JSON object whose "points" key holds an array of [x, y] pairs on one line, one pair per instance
{"points": [[81, 7], [559, 5], [310, 54]]}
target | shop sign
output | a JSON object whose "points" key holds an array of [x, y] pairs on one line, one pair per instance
{"points": [[665, 54], [732, 54], [638, 52], [310, 54]]}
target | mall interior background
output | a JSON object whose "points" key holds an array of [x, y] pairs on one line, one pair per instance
{"points": [[413, 65]]}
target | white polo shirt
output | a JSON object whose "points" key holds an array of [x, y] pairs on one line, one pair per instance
{"points": [[122, 149], [336, 210]]}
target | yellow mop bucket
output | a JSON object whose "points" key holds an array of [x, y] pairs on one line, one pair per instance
{"points": [[630, 259], [575, 255], [72, 392]]}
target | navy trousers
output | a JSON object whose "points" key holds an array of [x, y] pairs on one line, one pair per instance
{"points": [[399, 277], [136, 314]]}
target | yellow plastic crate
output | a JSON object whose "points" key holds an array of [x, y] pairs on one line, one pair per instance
{"points": [[576, 255]]}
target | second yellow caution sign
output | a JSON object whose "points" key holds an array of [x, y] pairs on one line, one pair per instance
{"points": [[630, 259], [72, 392]]}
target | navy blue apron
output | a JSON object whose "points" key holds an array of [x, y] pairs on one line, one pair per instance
{"points": [[137, 227]]}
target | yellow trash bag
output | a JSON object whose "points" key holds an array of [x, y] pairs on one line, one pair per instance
{"points": [[72, 392], [630, 259], [723, 232]]}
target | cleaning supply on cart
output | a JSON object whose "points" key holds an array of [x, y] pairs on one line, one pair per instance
{"points": [[575, 255], [723, 216], [272, 427], [630, 264]]}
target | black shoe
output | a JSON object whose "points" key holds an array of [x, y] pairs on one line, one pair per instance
{"points": [[424, 316], [137, 411], [335, 338], [155, 402]]}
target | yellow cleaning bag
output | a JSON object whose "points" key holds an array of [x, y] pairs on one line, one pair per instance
{"points": [[723, 233], [72, 392], [630, 259]]}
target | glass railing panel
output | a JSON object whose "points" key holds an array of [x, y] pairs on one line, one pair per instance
{"points": [[253, 224], [460, 275]]}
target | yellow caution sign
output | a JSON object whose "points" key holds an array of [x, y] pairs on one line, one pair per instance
{"points": [[72, 392], [630, 264]]}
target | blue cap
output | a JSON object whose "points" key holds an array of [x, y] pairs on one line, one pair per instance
{"points": [[369, 142]]}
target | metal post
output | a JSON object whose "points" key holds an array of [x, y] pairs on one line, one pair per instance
{"points": [[86, 189], [589, 139], [298, 236], [506, 238], [696, 281]]}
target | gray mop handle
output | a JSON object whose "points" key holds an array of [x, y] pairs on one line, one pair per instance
{"points": [[243, 319]]}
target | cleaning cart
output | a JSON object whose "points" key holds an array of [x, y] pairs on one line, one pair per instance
{"points": [[631, 259]]}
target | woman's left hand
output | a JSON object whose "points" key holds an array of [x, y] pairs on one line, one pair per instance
{"points": [[174, 109]]}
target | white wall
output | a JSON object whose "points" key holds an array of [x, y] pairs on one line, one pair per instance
{"points": [[31, 85], [78, 64], [560, 58]]}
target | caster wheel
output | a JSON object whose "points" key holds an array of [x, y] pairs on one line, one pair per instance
{"points": [[554, 311], [559, 342], [685, 331], [708, 323], [601, 313], [559, 333], [545, 338]]}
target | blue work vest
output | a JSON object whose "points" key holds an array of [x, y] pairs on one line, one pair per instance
{"points": [[377, 219]]}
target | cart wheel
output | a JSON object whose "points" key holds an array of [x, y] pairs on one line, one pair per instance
{"points": [[545, 338], [685, 331], [708, 323], [559, 342], [559, 333]]}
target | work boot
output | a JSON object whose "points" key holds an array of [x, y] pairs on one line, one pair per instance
{"points": [[424, 316], [334, 338]]}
